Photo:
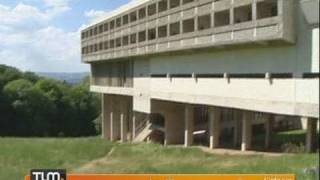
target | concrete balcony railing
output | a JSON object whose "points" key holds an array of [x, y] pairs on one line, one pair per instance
{"points": [[200, 24]]}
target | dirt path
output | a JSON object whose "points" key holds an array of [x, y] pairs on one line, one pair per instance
{"points": [[92, 164]]}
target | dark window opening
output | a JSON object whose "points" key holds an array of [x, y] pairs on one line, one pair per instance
{"points": [[151, 34], [152, 9], [188, 25], [163, 5], [133, 16], [125, 19], [118, 42], [222, 18], [267, 9], [175, 29], [133, 38], [142, 36], [174, 3], [125, 40], [142, 13], [243, 14], [118, 22], [204, 22], [162, 31]]}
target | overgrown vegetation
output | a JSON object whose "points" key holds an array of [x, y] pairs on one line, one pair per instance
{"points": [[36, 106]]}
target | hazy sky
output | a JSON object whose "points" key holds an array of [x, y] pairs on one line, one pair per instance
{"points": [[43, 35]]}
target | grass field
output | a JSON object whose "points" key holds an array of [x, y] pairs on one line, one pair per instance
{"points": [[19, 155]]}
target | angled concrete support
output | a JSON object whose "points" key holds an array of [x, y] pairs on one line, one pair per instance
{"points": [[246, 130], [311, 138], [269, 119], [214, 126], [189, 125]]}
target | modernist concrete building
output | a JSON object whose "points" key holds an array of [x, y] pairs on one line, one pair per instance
{"points": [[205, 71]]}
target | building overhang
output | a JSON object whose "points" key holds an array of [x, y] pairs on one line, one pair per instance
{"points": [[310, 9]]}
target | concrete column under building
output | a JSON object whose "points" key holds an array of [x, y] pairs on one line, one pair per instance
{"points": [[114, 119], [124, 114], [214, 126], [311, 136], [105, 119], [269, 120], [123, 123], [133, 125], [246, 130], [236, 128], [189, 125]]}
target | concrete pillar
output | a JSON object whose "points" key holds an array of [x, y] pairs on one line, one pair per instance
{"points": [[124, 119], [105, 120], [133, 125], [189, 125], [123, 124], [214, 127], [311, 137], [269, 119], [246, 130], [236, 128], [114, 119], [112, 138]]}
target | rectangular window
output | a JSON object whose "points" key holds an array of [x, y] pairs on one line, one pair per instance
{"points": [[142, 13], [125, 19], [106, 45], [187, 1], [105, 27], [91, 32], [174, 3], [151, 34], [133, 38], [101, 28], [118, 42], [125, 40], [267, 9], [142, 36], [95, 31], [112, 23], [174, 29], [162, 31], [188, 25], [222, 18], [95, 47], [112, 44], [118, 22], [163, 5], [204, 22], [133, 16], [243, 14], [101, 46], [152, 9]]}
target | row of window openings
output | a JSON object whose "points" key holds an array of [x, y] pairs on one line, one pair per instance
{"points": [[244, 13], [132, 17], [222, 18]]}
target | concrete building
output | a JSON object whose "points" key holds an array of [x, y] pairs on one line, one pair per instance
{"points": [[180, 71]]}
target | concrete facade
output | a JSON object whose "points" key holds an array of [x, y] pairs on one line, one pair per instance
{"points": [[168, 57]]}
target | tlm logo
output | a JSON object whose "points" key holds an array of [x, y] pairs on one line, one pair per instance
{"points": [[47, 174]]}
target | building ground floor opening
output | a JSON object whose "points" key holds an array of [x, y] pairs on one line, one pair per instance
{"points": [[175, 123]]}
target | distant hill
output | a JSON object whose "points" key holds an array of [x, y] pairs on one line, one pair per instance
{"points": [[72, 78]]}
